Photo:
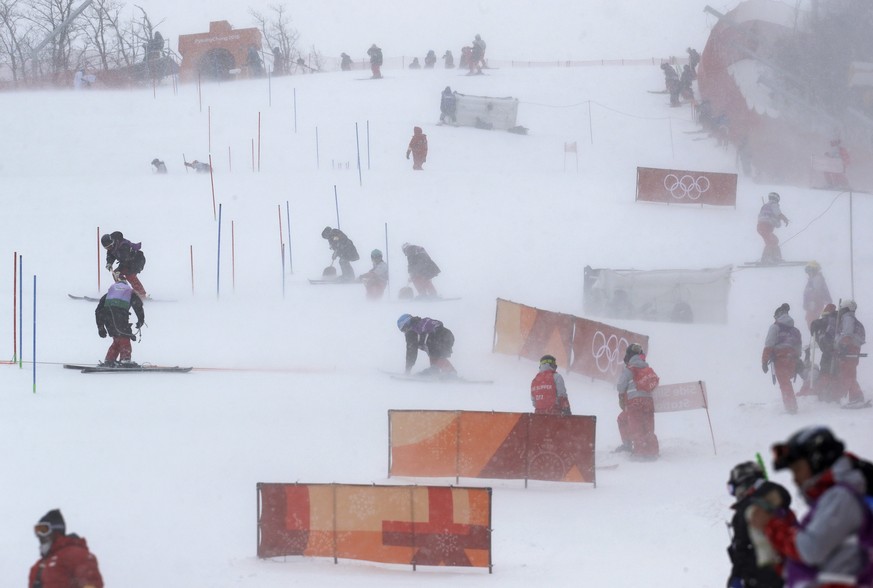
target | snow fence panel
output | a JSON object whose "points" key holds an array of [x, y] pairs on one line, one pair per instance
{"points": [[531, 332], [679, 186], [486, 112]]}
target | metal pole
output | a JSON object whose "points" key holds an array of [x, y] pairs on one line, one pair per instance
{"points": [[336, 204], [218, 258], [34, 334], [358, 147], [851, 247], [288, 215]]}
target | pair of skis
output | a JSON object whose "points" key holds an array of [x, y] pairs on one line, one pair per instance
{"points": [[98, 369]]}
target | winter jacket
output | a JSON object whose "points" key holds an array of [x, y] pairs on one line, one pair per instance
{"points": [[113, 310], [771, 214], [68, 564], [448, 103], [128, 255], [824, 545], [418, 145], [848, 335], [379, 273], [816, 294], [428, 335], [782, 338], [548, 393], [744, 564], [342, 246], [375, 54], [625, 384], [419, 263]]}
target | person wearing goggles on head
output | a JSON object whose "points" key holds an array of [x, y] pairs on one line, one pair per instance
{"points": [[548, 393], [65, 560]]}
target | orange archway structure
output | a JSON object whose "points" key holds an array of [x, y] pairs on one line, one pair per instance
{"points": [[221, 53]]}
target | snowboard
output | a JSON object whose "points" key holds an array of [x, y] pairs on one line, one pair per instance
{"points": [[94, 369], [445, 379]]}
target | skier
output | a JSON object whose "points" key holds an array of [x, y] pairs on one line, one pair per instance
{"points": [[449, 59], [64, 559], [199, 166], [671, 81], [160, 166], [429, 59], [782, 349], [415, 64], [448, 105], [636, 422], [422, 270], [375, 54], [838, 180], [822, 380], [548, 393], [477, 56], [769, 219], [815, 294], [749, 547], [113, 318], [376, 280], [850, 337], [431, 336], [343, 249], [346, 62], [827, 547], [130, 258], [418, 148]]}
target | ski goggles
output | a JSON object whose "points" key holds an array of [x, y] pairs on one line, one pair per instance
{"points": [[42, 529]]}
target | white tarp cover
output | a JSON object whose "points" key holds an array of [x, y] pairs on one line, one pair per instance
{"points": [[485, 112], [676, 295]]}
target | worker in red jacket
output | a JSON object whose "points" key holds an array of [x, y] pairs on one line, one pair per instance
{"points": [[418, 148], [548, 391], [64, 559]]}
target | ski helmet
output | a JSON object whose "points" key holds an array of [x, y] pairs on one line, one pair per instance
{"points": [[783, 309], [743, 477], [549, 360], [375, 254], [403, 322], [632, 349], [326, 232], [813, 266], [817, 445], [404, 247], [773, 196], [849, 305], [106, 240]]}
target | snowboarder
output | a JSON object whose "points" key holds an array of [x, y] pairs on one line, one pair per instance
{"points": [[749, 547], [782, 351], [448, 105], [345, 62], [422, 270], [199, 166], [343, 249], [838, 180], [477, 56], [375, 54], [64, 559], [430, 336], [815, 294], [827, 547], [415, 64], [418, 148], [548, 393], [771, 218], [160, 166], [636, 422], [671, 81], [851, 335], [429, 59], [449, 59], [131, 260], [113, 319], [376, 280]]}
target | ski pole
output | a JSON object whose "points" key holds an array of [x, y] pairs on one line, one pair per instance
{"points": [[760, 461]]}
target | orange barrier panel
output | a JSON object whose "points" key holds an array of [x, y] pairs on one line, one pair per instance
{"points": [[679, 186], [685, 396], [416, 525], [529, 332], [598, 349], [497, 445]]}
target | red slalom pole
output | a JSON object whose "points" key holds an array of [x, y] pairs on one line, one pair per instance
{"points": [[212, 182]]}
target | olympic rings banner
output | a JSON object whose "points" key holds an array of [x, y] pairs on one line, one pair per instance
{"points": [[529, 332], [501, 445], [673, 186], [416, 525], [598, 349]]}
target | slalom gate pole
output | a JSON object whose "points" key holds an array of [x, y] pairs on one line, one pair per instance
{"points": [[358, 148], [253, 155], [154, 90], [295, 111], [218, 258], [336, 204], [14, 306], [209, 128], [851, 247], [283, 270], [98, 259], [368, 145], [212, 183], [185, 163], [259, 141], [199, 93], [191, 255], [288, 215], [386, 259], [281, 237], [232, 257], [34, 334], [317, 158], [20, 311]]}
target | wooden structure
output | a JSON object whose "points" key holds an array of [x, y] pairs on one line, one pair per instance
{"points": [[221, 53]]}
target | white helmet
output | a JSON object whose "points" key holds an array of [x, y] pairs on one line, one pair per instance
{"points": [[848, 305]]}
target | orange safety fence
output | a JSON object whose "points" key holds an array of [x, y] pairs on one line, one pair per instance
{"points": [[496, 445], [684, 396], [415, 525], [674, 186], [529, 332]]}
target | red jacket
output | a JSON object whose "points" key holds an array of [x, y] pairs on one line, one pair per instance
{"points": [[68, 564], [418, 144], [548, 393]]}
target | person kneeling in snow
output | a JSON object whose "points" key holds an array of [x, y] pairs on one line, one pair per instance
{"points": [[431, 336], [376, 280]]}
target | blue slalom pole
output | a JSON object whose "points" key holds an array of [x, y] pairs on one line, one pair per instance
{"points": [[34, 334], [288, 215], [218, 258]]}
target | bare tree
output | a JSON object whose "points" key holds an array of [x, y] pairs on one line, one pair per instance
{"points": [[48, 15], [99, 28], [15, 38], [277, 31]]}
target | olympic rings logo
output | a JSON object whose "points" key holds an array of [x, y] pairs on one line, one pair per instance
{"points": [[686, 186], [607, 351]]}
